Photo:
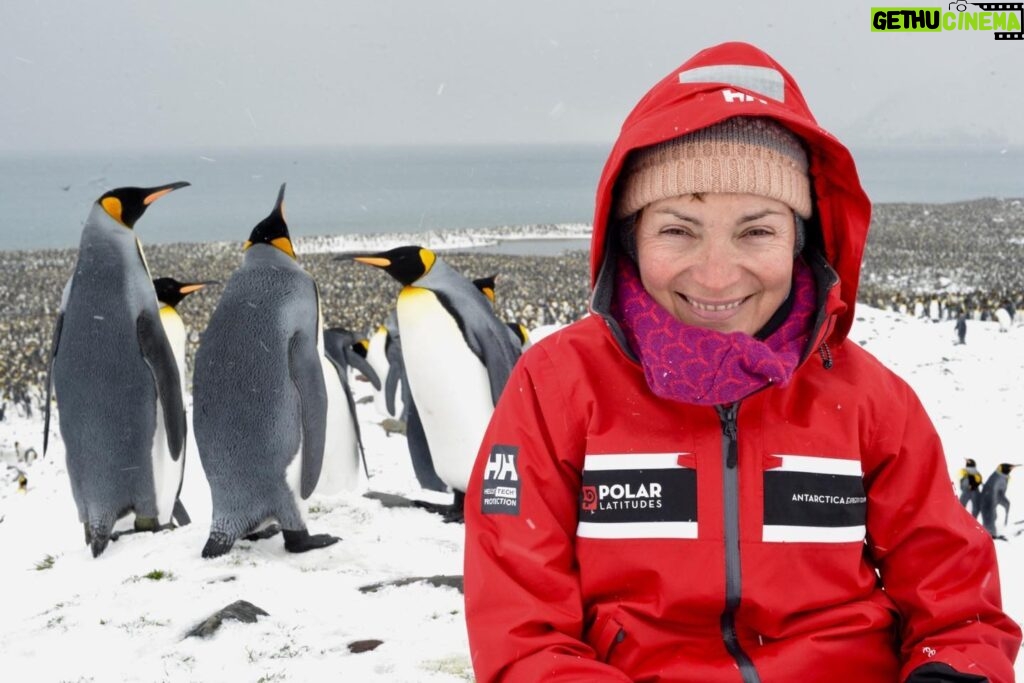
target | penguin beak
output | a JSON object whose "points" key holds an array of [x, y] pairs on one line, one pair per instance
{"points": [[193, 287], [284, 244], [373, 261], [159, 192]]}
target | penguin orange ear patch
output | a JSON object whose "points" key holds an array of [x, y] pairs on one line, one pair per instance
{"points": [[112, 205], [501, 481]]}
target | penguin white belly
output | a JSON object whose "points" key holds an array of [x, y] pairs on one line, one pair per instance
{"points": [[167, 473], [340, 469], [448, 383]]}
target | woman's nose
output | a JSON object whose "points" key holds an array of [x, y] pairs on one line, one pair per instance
{"points": [[717, 266]]}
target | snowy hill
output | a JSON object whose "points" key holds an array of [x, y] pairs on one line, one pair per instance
{"points": [[124, 616]]}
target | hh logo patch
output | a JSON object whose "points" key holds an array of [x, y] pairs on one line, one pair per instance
{"points": [[501, 481]]}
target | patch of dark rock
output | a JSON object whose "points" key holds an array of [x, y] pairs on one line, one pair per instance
{"points": [[240, 610]]}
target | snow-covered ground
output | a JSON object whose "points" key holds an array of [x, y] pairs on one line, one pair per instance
{"points": [[68, 617]]}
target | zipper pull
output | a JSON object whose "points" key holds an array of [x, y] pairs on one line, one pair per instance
{"points": [[728, 417]]}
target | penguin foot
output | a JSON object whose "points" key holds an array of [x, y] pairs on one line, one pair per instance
{"points": [[98, 541], [301, 541], [268, 532], [147, 524], [455, 513], [216, 545]]}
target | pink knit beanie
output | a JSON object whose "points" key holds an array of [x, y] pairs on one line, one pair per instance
{"points": [[743, 155]]}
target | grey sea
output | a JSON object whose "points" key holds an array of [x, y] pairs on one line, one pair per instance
{"points": [[44, 198]]}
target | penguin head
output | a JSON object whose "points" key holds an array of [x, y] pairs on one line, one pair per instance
{"points": [[273, 229], [520, 331], [361, 347], [971, 463], [127, 204], [406, 264], [1006, 468], [170, 292], [486, 286]]}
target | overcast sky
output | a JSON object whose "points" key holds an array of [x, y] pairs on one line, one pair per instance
{"points": [[198, 74]]}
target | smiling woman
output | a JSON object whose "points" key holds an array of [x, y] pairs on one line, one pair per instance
{"points": [[712, 483]]}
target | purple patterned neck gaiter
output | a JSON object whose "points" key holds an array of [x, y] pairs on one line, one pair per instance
{"points": [[697, 365]]}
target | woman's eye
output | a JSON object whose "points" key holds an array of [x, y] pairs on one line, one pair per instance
{"points": [[758, 232], [674, 230]]}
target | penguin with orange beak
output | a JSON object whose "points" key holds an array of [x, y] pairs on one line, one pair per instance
{"points": [[113, 372]]}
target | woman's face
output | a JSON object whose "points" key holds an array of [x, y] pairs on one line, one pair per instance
{"points": [[721, 261]]}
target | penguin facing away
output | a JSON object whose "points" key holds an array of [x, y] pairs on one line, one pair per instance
{"points": [[993, 494], [113, 372], [458, 356], [260, 403], [168, 474]]}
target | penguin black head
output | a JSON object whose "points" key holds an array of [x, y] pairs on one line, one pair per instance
{"points": [[1006, 468], [170, 292], [486, 286], [406, 264], [361, 347], [127, 204], [273, 229], [971, 463]]}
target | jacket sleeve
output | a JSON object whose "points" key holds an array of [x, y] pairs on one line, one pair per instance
{"points": [[524, 607], [935, 561]]}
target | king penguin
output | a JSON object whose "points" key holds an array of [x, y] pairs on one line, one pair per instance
{"points": [[168, 474], [343, 449], [993, 494], [114, 373], [457, 354], [259, 399]]}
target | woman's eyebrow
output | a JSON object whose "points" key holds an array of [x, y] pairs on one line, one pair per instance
{"points": [[681, 216], [757, 215]]}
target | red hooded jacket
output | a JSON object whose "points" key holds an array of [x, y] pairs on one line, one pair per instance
{"points": [[806, 533]]}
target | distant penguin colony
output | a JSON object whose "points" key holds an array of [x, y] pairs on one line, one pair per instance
{"points": [[457, 355], [115, 377]]}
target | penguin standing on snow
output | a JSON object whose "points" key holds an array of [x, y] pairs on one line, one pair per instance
{"points": [[259, 399], [458, 356], [970, 487], [114, 374], [993, 494], [168, 474], [343, 449]]}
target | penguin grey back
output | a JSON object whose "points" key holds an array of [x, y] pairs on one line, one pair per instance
{"points": [[112, 363], [249, 418]]}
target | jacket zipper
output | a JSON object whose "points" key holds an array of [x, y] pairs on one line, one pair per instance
{"points": [[731, 529]]}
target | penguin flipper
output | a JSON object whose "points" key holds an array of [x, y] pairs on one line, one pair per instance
{"points": [[355, 425], [180, 514], [419, 451], [498, 355], [57, 326], [362, 365], [391, 388], [307, 374], [158, 355]]}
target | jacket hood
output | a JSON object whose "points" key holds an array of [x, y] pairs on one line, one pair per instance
{"points": [[738, 79]]}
